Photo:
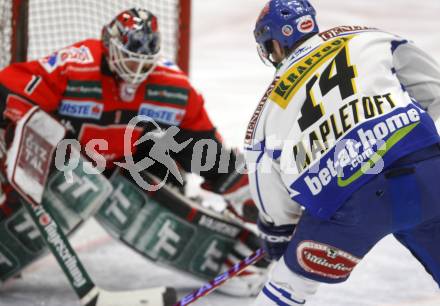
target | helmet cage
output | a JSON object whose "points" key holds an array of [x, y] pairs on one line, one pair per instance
{"points": [[130, 66], [265, 52], [132, 44], [264, 45]]}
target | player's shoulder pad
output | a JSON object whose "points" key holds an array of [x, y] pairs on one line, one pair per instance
{"points": [[396, 40], [167, 71], [84, 53], [345, 30], [169, 64], [166, 66]]}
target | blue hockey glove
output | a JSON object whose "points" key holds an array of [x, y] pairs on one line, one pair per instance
{"points": [[274, 238]]}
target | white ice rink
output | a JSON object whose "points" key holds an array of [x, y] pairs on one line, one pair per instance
{"points": [[227, 70]]}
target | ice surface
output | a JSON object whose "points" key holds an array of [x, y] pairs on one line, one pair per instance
{"points": [[227, 70]]}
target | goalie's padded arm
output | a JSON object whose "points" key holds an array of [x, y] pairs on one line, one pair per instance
{"points": [[188, 157], [3, 95], [30, 82], [13, 106]]}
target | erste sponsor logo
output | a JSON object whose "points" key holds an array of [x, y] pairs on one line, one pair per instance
{"points": [[162, 114], [81, 109]]}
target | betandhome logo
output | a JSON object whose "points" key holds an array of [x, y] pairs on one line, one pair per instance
{"points": [[358, 157], [81, 109]]}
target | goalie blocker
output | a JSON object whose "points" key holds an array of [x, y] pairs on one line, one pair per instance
{"points": [[50, 213], [70, 202]]}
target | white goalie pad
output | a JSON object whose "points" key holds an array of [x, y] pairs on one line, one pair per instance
{"points": [[30, 156], [158, 296], [250, 282]]}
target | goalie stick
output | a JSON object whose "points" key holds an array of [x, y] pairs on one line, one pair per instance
{"points": [[28, 165], [220, 279], [88, 293]]}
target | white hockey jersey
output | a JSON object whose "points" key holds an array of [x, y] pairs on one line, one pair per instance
{"points": [[345, 105]]}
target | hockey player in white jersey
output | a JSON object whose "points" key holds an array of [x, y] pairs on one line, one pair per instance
{"points": [[342, 150]]}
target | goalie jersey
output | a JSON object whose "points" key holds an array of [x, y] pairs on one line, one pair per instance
{"points": [[76, 86], [344, 106]]}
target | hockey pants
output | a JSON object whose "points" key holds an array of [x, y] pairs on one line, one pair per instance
{"points": [[404, 200]]}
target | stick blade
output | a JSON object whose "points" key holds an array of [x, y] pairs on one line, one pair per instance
{"points": [[159, 296]]}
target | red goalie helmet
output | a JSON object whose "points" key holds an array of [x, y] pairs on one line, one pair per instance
{"points": [[132, 44]]}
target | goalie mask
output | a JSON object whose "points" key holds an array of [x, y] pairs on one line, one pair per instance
{"points": [[132, 44]]}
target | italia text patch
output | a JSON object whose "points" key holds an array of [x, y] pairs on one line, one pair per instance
{"points": [[332, 33]]}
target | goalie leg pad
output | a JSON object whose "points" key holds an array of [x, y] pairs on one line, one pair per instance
{"points": [[251, 281], [167, 228], [71, 203], [160, 296]]}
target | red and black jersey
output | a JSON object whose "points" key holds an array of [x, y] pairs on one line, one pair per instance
{"points": [[76, 86]]}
